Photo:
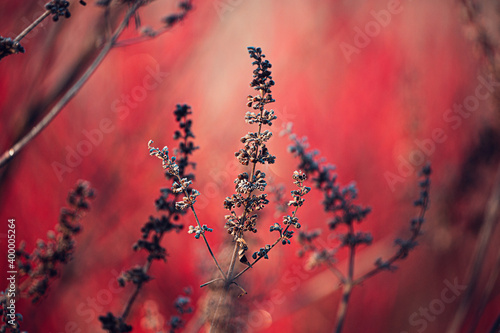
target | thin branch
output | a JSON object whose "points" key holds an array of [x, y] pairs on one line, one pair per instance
{"points": [[15, 46], [137, 290], [32, 26], [486, 296], [398, 255], [272, 246], [210, 282], [14, 150], [348, 285], [141, 39], [483, 243], [204, 238]]}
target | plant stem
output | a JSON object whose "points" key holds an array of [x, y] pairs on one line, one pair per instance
{"points": [[235, 250], [398, 255], [16, 148], [272, 247], [132, 298], [483, 243], [27, 31], [348, 285], [205, 238], [32, 26]]}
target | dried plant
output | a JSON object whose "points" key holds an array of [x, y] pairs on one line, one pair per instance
{"points": [[59, 8], [37, 269], [153, 231], [338, 201], [56, 8], [249, 198], [182, 306], [40, 266], [481, 26]]}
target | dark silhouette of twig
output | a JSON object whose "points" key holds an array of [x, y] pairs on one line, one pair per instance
{"points": [[339, 201], [14, 150], [131, 12], [483, 243]]}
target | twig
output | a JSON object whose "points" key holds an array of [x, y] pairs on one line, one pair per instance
{"points": [[400, 254], [272, 246], [32, 26], [211, 281], [490, 220], [132, 298], [202, 233], [485, 297], [15, 47], [347, 286], [9, 154]]}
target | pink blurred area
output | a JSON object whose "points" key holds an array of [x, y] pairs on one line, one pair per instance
{"points": [[366, 104]]}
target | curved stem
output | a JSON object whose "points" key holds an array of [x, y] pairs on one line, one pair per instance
{"points": [[398, 255], [491, 219], [16, 148]]}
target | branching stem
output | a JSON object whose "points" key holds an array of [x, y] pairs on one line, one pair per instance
{"points": [[16, 148]]}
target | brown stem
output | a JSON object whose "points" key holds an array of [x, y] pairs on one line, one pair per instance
{"points": [[204, 237], [483, 243], [26, 31], [486, 295], [32, 26], [348, 285], [14, 150]]}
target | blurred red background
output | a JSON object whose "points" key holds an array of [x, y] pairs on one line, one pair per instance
{"points": [[366, 103]]}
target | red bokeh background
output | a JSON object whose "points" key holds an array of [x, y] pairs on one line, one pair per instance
{"points": [[364, 112]]}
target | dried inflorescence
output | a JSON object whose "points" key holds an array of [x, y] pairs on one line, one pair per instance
{"points": [[155, 228], [42, 265], [338, 201], [248, 198], [9, 46], [182, 306], [59, 8], [254, 151], [197, 231]]}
